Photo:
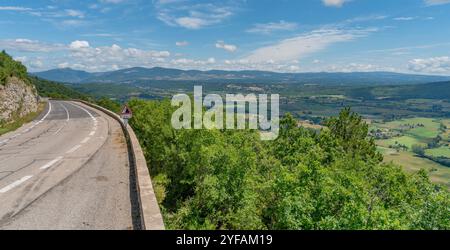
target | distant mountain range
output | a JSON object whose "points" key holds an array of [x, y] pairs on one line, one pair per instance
{"points": [[141, 75]]}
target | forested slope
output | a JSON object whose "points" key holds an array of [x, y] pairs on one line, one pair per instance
{"points": [[335, 179]]}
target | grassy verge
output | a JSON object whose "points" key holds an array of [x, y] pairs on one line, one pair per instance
{"points": [[19, 122]]}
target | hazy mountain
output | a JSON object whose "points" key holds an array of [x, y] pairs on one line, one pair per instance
{"points": [[64, 75], [140, 75]]}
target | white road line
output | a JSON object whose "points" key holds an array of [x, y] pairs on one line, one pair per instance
{"points": [[67, 112], [92, 117], [67, 119], [15, 184], [49, 110], [51, 163], [73, 149], [85, 140], [85, 110]]}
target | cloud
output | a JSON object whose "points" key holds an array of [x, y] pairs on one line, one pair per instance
{"points": [[191, 22], [86, 57], [33, 63], [14, 8], [76, 45], [357, 67], [69, 23], [244, 64], [334, 3], [436, 2], [408, 18], [182, 43], [193, 15], [184, 62], [74, 13], [27, 45], [433, 65], [227, 47], [303, 45], [410, 48], [268, 28]]}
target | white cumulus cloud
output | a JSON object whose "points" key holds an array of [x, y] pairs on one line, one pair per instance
{"points": [[433, 65], [76, 45]]}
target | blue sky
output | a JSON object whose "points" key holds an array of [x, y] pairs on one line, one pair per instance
{"points": [[278, 35]]}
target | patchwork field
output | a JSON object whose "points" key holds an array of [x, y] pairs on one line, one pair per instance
{"points": [[406, 140], [411, 163], [399, 137], [443, 151]]}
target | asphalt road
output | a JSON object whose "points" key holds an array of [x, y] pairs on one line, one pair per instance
{"points": [[69, 169]]}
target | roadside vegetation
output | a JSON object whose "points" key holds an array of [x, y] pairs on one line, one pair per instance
{"points": [[19, 121], [334, 179], [10, 68]]}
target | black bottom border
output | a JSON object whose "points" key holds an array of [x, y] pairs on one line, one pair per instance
{"points": [[227, 239]]}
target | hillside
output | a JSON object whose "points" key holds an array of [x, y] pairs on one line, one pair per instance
{"points": [[52, 89], [435, 90], [139, 75], [18, 97]]}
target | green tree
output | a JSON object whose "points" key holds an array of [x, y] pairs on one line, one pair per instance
{"points": [[352, 132], [229, 179]]}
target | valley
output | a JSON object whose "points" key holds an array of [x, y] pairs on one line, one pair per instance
{"points": [[401, 116]]}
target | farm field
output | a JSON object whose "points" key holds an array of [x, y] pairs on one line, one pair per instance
{"points": [[443, 151], [406, 140], [411, 163], [398, 138]]}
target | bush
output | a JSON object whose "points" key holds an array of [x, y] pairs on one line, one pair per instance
{"points": [[418, 150]]}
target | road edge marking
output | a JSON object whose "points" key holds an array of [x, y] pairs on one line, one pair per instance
{"points": [[15, 184], [51, 163]]}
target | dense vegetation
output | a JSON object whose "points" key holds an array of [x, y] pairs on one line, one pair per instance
{"points": [[109, 104], [56, 90], [9, 68], [335, 179]]}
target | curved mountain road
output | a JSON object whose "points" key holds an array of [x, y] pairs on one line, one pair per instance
{"points": [[69, 169]]}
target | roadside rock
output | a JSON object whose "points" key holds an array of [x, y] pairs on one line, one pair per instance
{"points": [[17, 99]]}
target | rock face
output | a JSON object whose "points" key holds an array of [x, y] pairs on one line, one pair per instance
{"points": [[17, 99]]}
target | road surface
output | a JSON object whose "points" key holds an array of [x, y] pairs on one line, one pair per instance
{"points": [[69, 169]]}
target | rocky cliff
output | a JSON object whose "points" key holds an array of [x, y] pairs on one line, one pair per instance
{"points": [[17, 99]]}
